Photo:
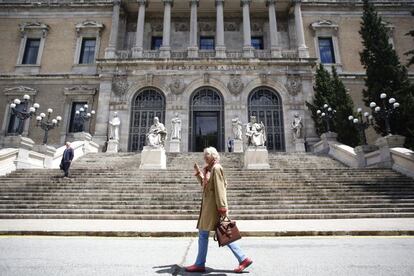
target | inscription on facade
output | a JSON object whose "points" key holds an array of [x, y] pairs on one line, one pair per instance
{"points": [[207, 67]]}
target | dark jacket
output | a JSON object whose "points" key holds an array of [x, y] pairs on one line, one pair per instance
{"points": [[67, 155]]}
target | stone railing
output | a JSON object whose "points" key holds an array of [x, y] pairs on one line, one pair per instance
{"points": [[31, 156], [206, 54], [55, 2], [386, 153]]}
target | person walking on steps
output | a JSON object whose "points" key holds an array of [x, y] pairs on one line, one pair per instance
{"points": [[66, 159], [214, 203]]}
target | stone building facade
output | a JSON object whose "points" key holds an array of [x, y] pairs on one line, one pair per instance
{"points": [[207, 61]]}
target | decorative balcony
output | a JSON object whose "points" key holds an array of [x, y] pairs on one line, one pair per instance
{"points": [[206, 54]]}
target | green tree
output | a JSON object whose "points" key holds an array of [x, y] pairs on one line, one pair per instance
{"points": [[385, 74], [329, 89]]}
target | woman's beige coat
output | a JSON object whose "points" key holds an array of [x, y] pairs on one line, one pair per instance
{"points": [[214, 197]]}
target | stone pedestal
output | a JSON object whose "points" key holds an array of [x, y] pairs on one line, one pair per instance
{"points": [[137, 52], [112, 146], [361, 151], [153, 159], [165, 52], [248, 52], [25, 146], [256, 158], [238, 146], [192, 52], [299, 145], [385, 144], [12, 141], [220, 52], [175, 146], [303, 52], [276, 52]]}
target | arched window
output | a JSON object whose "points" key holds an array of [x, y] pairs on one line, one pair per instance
{"points": [[266, 105], [206, 124], [147, 104]]}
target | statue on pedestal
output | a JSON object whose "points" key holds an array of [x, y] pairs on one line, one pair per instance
{"points": [[237, 128], [255, 132], [157, 134], [114, 127], [176, 128], [296, 127]]}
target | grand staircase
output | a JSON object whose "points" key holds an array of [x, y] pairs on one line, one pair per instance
{"points": [[298, 186]]}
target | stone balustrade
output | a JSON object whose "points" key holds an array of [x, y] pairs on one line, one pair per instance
{"points": [[30, 156], [386, 153], [206, 54]]}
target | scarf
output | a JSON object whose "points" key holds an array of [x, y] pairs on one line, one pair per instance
{"points": [[207, 172]]}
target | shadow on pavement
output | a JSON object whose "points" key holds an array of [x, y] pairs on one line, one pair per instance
{"points": [[178, 270]]}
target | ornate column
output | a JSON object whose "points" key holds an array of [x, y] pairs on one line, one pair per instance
{"points": [[139, 36], [274, 41], [220, 47], [165, 49], [110, 51], [193, 48], [300, 34], [248, 50]]}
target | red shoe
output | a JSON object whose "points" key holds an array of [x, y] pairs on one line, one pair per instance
{"points": [[195, 268], [243, 265]]}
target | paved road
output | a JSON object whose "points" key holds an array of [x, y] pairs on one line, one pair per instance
{"points": [[165, 256]]}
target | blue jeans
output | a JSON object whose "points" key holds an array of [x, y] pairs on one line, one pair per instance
{"points": [[203, 246]]}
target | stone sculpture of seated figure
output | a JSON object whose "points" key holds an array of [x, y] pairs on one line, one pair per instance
{"points": [[157, 134], [255, 132]]}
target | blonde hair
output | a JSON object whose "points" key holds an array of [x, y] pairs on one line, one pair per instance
{"points": [[212, 152]]}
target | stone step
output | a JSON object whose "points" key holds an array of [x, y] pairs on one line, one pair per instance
{"points": [[194, 217]]}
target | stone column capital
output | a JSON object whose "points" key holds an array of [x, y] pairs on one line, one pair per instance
{"points": [[245, 2], [219, 2], [171, 2], [194, 2]]}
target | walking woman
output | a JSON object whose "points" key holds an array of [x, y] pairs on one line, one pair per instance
{"points": [[214, 203]]}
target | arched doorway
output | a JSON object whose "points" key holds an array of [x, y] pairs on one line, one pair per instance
{"points": [[206, 124], [266, 105], [146, 104]]}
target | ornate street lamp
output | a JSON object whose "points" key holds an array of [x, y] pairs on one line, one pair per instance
{"points": [[388, 108], [24, 114], [48, 124], [327, 114], [360, 124], [83, 116]]}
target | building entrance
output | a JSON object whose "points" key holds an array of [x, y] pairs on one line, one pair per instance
{"points": [[206, 127]]}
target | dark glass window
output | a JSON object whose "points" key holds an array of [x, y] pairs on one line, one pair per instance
{"points": [[75, 124], [326, 50], [207, 43], [156, 42], [87, 54], [14, 122], [257, 42], [31, 51]]}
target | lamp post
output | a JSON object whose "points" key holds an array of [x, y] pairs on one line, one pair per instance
{"points": [[327, 114], [24, 114], [83, 115], [48, 124], [360, 124], [388, 108]]}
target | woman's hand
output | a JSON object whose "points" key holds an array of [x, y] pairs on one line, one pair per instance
{"points": [[197, 169]]}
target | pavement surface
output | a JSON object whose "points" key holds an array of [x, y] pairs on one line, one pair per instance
{"points": [[186, 228], [34, 255]]}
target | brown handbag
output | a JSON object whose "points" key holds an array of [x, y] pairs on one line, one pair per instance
{"points": [[226, 231]]}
